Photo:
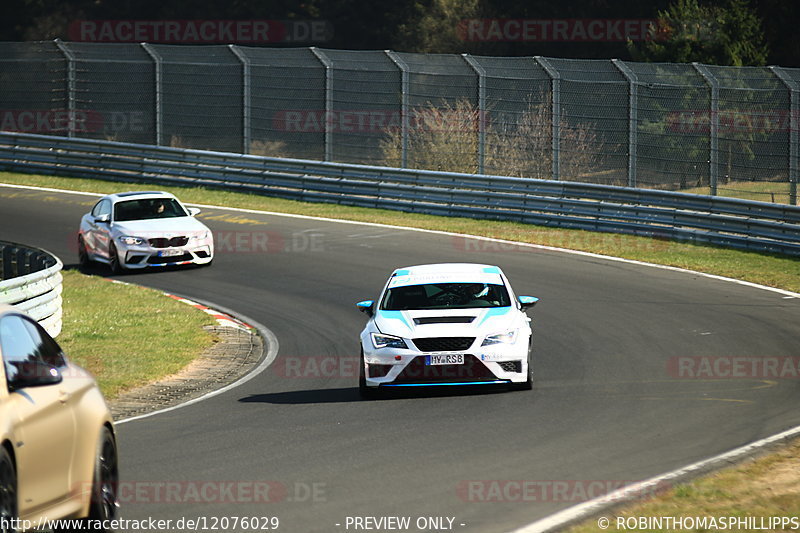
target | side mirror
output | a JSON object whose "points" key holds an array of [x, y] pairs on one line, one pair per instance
{"points": [[102, 219], [526, 302], [194, 211], [34, 374], [365, 306]]}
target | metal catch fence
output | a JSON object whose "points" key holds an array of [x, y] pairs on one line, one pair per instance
{"points": [[704, 129]]}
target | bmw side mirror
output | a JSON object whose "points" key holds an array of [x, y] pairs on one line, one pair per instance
{"points": [[194, 211], [34, 374], [526, 302], [102, 219], [365, 306]]}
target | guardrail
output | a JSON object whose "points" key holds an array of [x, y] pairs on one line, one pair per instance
{"points": [[730, 222], [30, 280]]}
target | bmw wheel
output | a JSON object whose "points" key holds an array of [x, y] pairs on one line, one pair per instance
{"points": [[113, 260], [83, 255]]}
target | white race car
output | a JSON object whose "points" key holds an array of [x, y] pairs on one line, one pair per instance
{"points": [[446, 324], [134, 230]]}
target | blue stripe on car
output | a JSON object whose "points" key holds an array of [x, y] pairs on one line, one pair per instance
{"points": [[494, 311], [395, 315]]}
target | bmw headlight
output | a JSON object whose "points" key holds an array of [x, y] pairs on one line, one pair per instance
{"points": [[380, 340], [201, 236], [131, 241], [507, 337]]}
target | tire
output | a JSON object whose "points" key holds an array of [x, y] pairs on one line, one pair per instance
{"points": [[113, 260], [83, 255], [366, 393], [105, 500], [8, 491]]}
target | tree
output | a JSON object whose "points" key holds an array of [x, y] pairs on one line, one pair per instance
{"points": [[728, 34], [434, 27]]}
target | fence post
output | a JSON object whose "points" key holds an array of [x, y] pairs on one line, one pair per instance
{"points": [[555, 81], [246, 98], [713, 161], [404, 104], [633, 118], [159, 83], [794, 109], [326, 62], [481, 73], [71, 82]]}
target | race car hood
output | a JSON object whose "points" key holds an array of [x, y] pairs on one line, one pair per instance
{"points": [[158, 227], [446, 323]]}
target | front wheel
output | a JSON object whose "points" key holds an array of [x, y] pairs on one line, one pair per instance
{"points": [[8, 492], [105, 503], [83, 255], [113, 260]]}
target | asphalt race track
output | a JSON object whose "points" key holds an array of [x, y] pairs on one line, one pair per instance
{"points": [[607, 404]]}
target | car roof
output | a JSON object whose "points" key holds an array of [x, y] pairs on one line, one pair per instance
{"points": [[452, 268], [446, 273], [137, 195]]}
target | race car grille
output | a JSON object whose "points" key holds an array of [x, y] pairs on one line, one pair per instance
{"points": [[443, 320], [418, 372], [511, 366], [443, 344], [155, 260], [163, 242]]}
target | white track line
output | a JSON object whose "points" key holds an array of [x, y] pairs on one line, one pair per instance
{"points": [[631, 492]]}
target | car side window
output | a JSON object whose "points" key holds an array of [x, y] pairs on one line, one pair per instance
{"points": [[103, 207], [47, 349], [17, 345]]}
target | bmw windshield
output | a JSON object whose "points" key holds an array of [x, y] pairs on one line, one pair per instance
{"points": [[148, 209], [445, 296]]}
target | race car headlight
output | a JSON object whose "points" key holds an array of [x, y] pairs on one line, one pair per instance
{"points": [[380, 340], [201, 236], [507, 337], [125, 239]]}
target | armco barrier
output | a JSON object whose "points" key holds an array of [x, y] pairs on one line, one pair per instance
{"points": [[742, 224], [30, 280]]}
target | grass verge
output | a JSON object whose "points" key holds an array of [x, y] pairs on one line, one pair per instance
{"points": [[116, 332], [764, 487], [774, 271], [762, 191]]}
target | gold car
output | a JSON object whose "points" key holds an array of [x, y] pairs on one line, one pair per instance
{"points": [[58, 458]]}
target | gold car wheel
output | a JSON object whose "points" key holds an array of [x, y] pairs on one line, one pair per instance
{"points": [[8, 491], [105, 504]]}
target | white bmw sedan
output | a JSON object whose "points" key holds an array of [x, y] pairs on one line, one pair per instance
{"points": [[135, 230], [446, 324]]}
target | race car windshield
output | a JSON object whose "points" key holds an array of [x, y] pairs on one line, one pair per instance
{"points": [[445, 296], [147, 209]]}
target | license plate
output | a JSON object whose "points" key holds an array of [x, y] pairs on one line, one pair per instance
{"points": [[169, 253], [445, 359]]}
